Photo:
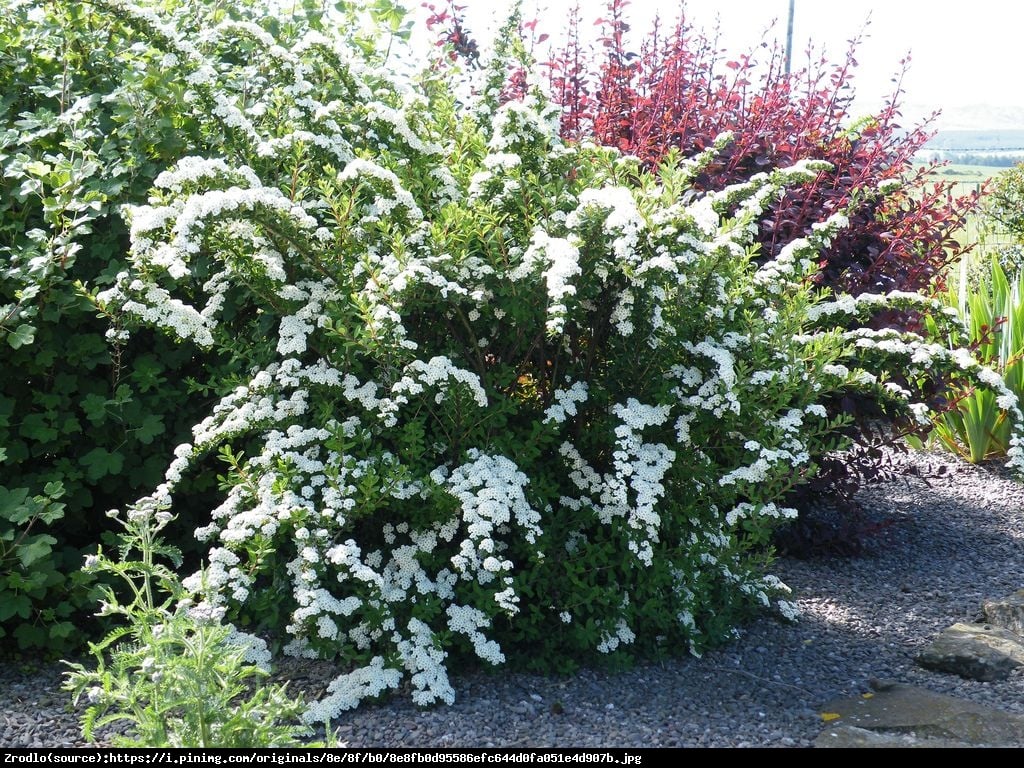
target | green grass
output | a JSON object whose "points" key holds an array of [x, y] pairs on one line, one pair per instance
{"points": [[967, 177]]}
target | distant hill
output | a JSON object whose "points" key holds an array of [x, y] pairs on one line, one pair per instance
{"points": [[977, 117], [988, 140], [983, 135]]}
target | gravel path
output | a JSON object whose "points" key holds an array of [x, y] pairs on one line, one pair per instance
{"points": [[947, 548]]}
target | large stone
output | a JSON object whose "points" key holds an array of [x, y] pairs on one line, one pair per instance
{"points": [[975, 651], [905, 709], [1007, 613], [848, 736]]}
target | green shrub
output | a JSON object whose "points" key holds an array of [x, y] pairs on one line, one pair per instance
{"points": [[1004, 201], [30, 569], [509, 398], [977, 425], [1001, 221], [87, 121]]}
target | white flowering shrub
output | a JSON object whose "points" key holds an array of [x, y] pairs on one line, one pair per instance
{"points": [[510, 398]]}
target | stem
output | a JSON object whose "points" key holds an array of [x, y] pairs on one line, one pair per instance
{"points": [[205, 736], [146, 544]]}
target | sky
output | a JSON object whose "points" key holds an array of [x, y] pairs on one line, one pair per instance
{"points": [[965, 57]]}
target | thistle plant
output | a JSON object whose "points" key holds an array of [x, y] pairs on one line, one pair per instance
{"points": [[174, 673]]}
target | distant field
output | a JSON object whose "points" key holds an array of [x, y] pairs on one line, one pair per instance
{"points": [[968, 175], [969, 178]]}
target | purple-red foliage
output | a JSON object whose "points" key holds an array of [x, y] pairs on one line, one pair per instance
{"points": [[453, 31], [682, 90]]}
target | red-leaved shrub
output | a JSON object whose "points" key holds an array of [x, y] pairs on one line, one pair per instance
{"points": [[682, 90]]}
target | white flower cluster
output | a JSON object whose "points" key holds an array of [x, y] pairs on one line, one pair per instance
{"points": [[631, 492], [424, 660], [468, 621], [623, 635], [519, 123], [790, 454], [436, 372], [622, 219], [361, 171], [295, 330], [255, 649], [490, 491], [716, 393], [346, 691], [746, 510], [922, 358], [563, 265], [799, 257], [622, 314], [565, 403], [158, 308], [865, 303], [189, 172]]}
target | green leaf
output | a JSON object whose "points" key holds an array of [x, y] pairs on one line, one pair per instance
{"points": [[30, 636], [95, 408], [54, 489], [13, 506], [37, 168], [61, 629], [99, 462], [151, 426], [37, 426], [71, 426], [36, 549], [15, 605], [22, 335]]}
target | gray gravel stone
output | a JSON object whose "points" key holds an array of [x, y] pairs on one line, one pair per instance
{"points": [[947, 546], [921, 713]]}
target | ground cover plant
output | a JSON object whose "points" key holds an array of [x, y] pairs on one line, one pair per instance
{"points": [[492, 394], [176, 676]]}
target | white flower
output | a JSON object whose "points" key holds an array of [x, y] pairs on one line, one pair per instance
{"points": [[566, 401], [623, 635], [789, 610]]}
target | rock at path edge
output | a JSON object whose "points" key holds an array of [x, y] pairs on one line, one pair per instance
{"points": [[974, 651], [1007, 613], [905, 709], [850, 737]]}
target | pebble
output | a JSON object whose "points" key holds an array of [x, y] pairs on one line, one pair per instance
{"points": [[951, 544]]}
